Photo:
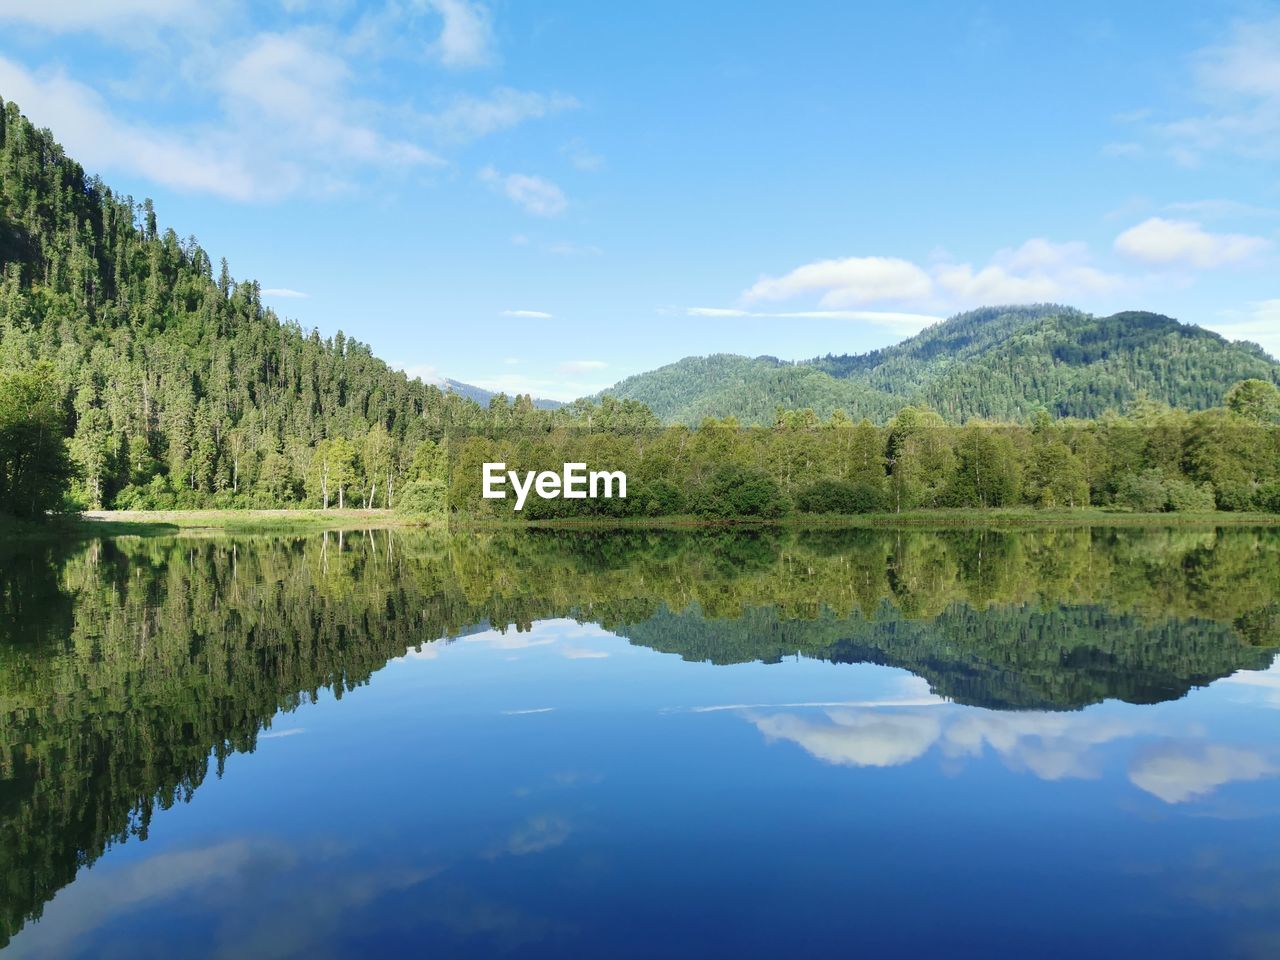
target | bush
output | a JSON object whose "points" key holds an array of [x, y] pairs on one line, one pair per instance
{"points": [[840, 496], [422, 498], [661, 498], [1144, 492], [736, 491], [1153, 492], [1185, 495], [1269, 498], [1236, 496]]}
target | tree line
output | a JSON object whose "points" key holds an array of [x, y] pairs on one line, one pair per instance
{"points": [[1152, 459]]}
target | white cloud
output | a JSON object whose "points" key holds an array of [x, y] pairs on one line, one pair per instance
{"points": [[581, 366], [286, 293], [581, 653], [535, 195], [103, 142], [1184, 242], [1238, 82], [565, 248], [1260, 323], [287, 122], [907, 323], [846, 282], [289, 88], [468, 117], [581, 157], [1038, 270], [527, 314], [466, 36], [1220, 209], [114, 18], [1177, 772]]}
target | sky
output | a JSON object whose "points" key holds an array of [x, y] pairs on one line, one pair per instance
{"points": [[549, 197]]}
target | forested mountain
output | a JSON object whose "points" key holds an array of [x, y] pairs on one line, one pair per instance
{"points": [[174, 384], [997, 362]]}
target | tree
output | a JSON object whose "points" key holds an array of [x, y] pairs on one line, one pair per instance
{"points": [[35, 471], [1256, 400]]}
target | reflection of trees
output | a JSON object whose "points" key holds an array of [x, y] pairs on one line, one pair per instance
{"points": [[1009, 657], [128, 667]]}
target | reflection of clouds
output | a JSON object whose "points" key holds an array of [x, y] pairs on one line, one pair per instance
{"points": [[277, 734], [1265, 682], [98, 896], [910, 691], [511, 640], [1053, 746], [527, 711], [1177, 772], [581, 653], [536, 835], [569, 629], [856, 738]]}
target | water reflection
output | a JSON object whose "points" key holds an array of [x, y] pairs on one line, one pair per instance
{"points": [[131, 669]]}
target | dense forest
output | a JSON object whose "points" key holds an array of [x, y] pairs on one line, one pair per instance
{"points": [[1154, 459], [132, 670], [997, 363], [172, 383]]}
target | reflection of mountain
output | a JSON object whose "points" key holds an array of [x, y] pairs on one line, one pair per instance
{"points": [[1012, 657], [127, 667]]}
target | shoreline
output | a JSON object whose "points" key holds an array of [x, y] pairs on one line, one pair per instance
{"points": [[115, 523]]}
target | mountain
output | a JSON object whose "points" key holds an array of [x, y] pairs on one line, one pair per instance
{"points": [[999, 362], [482, 396]]}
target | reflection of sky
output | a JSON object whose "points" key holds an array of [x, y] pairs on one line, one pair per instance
{"points": [[559, 790]]}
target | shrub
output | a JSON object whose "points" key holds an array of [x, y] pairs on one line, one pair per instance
{"points": [[736, 491], [840, 496]]}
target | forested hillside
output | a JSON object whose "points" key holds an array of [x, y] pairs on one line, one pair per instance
{"points": [[997, 362], [174, 384]]}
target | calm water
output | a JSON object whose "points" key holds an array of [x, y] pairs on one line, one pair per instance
{"points": [[872, 743]]}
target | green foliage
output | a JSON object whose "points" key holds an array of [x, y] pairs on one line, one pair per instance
{"points": [[738, 491], [841, 496], [1256, 400], [34, 468]]}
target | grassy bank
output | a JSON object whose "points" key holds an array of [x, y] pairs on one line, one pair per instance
{"points": [[935, 519], [114, 523]]}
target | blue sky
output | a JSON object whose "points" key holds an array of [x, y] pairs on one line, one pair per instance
{"points": [[549, 197]]}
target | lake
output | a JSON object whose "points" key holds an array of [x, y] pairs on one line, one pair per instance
{"points": [[640, 744]]}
